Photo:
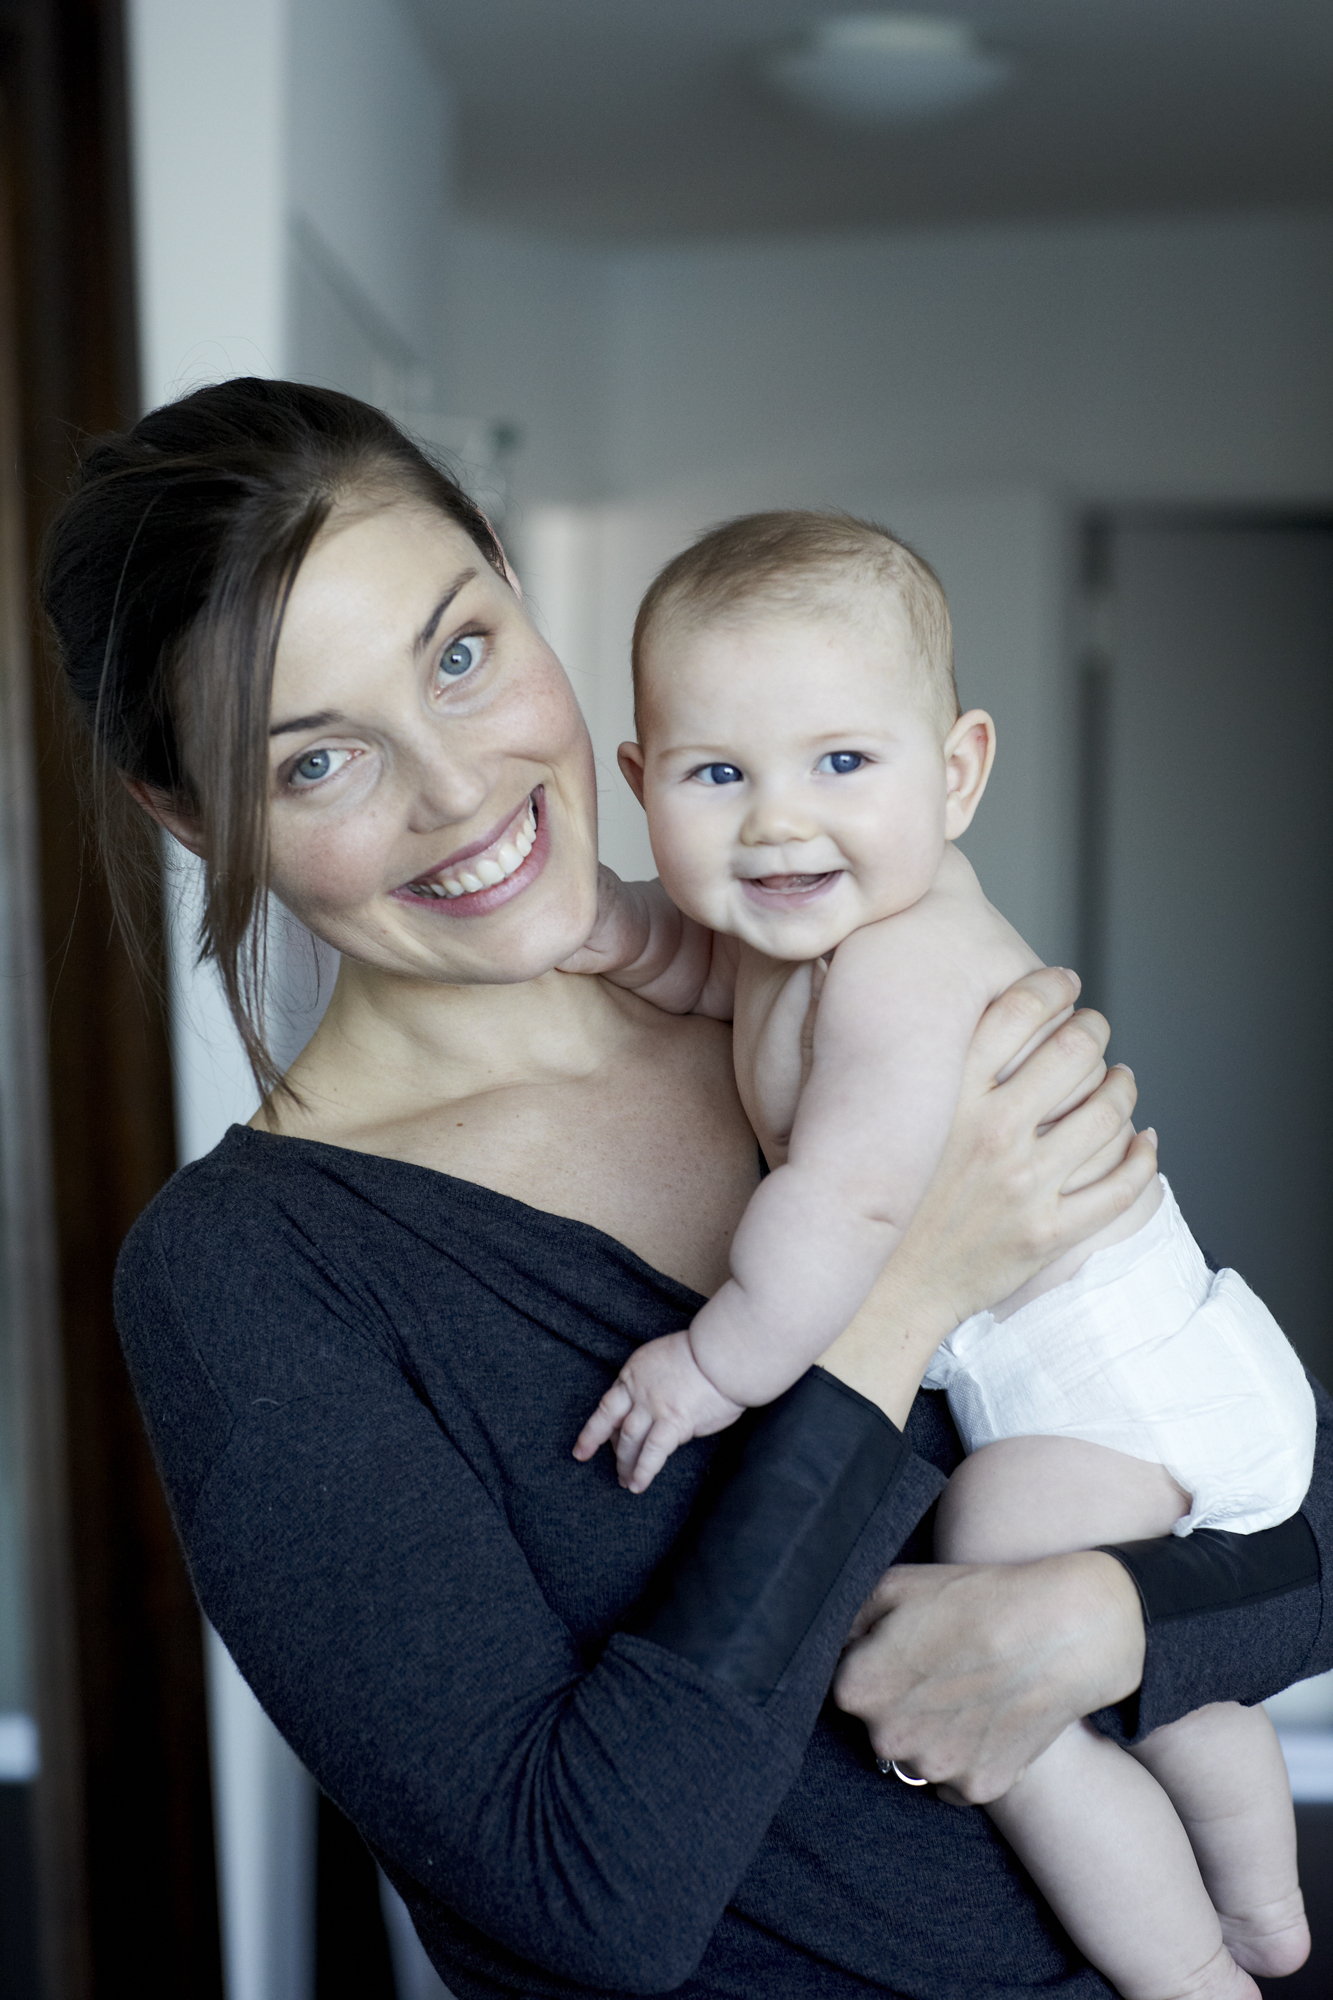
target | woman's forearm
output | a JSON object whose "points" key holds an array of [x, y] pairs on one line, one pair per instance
{"points": [[887, 1347]]}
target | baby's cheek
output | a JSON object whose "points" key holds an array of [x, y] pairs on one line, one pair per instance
{"points": [[693, 874]]}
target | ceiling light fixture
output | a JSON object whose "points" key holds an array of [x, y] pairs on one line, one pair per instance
{"points": [[886, 69]]}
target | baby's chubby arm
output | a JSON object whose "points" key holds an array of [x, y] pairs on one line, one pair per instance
{"points": [[641, 941], [894, 1023], [895, 1018]]}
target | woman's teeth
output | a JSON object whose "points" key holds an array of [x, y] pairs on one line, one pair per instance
{"points": [[507, 859]]}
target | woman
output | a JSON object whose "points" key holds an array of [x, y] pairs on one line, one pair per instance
{"points": [[581, 1729]]}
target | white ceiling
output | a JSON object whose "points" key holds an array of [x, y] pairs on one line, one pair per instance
{"points": [[615, 119]]}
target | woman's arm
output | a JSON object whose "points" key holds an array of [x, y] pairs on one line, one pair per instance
{"points": [[590, 1815], [968, 1673], [589, 1812]]}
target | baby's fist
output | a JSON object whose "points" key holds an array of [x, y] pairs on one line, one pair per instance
{"points": [[660, 1399]]}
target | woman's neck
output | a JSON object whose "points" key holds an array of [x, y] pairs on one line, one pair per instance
{"points": [[389, 1046]]}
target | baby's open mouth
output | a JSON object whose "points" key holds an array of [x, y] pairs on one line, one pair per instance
{"points": [[494, 864], [792, 885]]}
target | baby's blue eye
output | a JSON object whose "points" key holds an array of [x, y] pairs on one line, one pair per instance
{"points": [[718, 774], [839, 762], [460, 656]]}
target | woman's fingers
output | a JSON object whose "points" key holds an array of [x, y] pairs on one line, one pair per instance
{"points": [[1068, 1067], [1016, 1019], [968, 1673], [1091, 1208]]}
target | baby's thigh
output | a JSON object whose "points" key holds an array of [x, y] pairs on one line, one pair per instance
{"points": [[1025, 1497]]}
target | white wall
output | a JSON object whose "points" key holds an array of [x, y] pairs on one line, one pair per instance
{"points": [[367, 156], [290, 170], [528, 334], [1153, 358], [208, 120], [973, 387]]}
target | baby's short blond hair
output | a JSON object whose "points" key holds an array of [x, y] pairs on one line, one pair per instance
{"points": [[793, 561]]}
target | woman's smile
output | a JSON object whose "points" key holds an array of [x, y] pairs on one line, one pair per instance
{"points": [[479, 878]]}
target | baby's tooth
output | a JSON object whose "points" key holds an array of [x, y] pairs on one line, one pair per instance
{"points": [[509, 858], [471, 882], [490, 872]]}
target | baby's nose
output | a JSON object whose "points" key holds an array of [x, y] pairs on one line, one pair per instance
{"points": [[774, 820]]}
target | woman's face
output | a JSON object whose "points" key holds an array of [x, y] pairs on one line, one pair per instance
{"points": [[432, 807]]}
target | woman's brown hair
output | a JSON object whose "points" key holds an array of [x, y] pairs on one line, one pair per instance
{"points": [[165, 577]]}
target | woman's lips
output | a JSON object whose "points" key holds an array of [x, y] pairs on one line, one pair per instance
{"points": [[488, 875]]}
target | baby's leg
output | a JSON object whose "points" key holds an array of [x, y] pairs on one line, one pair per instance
{"points": [[1044, 1496], [1103, 1843], [1223, 1769], [1107, 1848]]}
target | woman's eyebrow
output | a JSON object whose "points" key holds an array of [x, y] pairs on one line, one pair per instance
{"points": [[427, 632], [320, 721], [327, 716]]}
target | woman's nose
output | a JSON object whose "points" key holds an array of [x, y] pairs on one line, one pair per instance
{"points": [[446, 790]]}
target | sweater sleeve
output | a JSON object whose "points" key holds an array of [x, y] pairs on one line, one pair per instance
{"points": [[592, 1816], [1233, 1617]]}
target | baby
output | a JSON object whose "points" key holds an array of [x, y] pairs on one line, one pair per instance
{"points": [[805, 773]]}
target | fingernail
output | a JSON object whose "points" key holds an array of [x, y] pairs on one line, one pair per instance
{"points": [[1151, 1136], [1125, 1067]]}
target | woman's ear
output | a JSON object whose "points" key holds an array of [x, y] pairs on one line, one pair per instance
{"points": [[630, 759], [969, 752], [165, 809]]}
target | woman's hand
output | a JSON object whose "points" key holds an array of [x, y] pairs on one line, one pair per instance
{"points": [[966, 1674], [1016, 1186], [1019, 1184]]}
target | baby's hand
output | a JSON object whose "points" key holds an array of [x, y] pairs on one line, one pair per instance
{"points": [[660, 1399], [620, 932]]}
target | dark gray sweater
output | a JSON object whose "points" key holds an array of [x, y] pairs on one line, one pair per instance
{"points": [[586, 1732]]}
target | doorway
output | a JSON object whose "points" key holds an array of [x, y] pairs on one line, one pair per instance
{"points": [[1207, 719]]}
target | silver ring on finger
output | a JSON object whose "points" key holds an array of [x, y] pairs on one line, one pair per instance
{"points": [[890, 1767]]}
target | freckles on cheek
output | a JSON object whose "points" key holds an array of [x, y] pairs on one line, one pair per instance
{"points": [[331, 872]]}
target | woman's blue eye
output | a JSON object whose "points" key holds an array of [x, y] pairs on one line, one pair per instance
{"points": [[839, 762], [460, 656], [718, 774], [313, 767], [317, 765]]}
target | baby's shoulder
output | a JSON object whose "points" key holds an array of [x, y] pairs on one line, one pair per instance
{"points": [[952, 938]]}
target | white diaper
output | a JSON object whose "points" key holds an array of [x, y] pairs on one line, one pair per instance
{"points": [[1146, 1351]]}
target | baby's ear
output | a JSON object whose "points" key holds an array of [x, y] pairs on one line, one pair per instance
{"points": [[630, 759], [969, 752]]}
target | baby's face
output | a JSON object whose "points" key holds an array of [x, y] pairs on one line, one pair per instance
{"points": [[794, 781]]}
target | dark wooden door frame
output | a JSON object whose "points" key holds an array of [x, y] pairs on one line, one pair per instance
{"points": [[127, 1853]]}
